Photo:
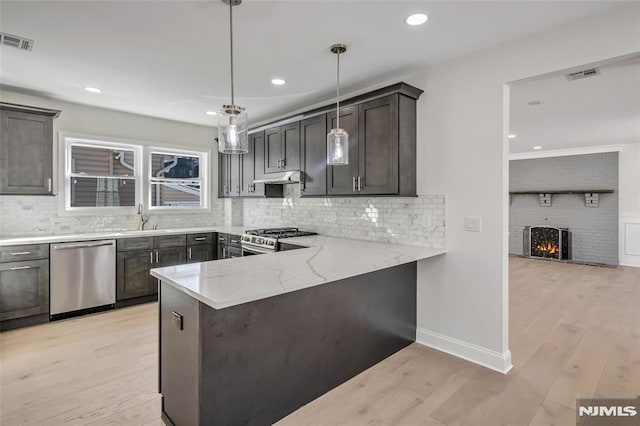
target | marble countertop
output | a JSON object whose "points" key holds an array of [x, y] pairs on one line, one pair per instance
{"points": [[229, 282], [63, 238]]}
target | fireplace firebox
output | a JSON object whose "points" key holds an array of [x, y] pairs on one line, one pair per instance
{"points": [[547, 242]]}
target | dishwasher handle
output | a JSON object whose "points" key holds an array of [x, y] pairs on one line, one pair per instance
{"points": [[82, 245]]}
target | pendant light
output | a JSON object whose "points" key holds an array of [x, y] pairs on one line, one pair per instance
{"points": [[337, 138], [232, 121]]}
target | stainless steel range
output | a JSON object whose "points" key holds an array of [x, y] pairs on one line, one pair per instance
{"points": [[260, 241]]}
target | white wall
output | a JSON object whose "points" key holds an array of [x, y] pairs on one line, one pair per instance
{"points": [[629, 205], [463, 296], [28, 215]]}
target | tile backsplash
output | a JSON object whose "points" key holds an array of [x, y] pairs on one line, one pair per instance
{"points": [[38, 215], [415, 221]]}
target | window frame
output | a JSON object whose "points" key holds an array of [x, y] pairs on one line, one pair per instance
{"points": [[66, 141], [205, 196]]}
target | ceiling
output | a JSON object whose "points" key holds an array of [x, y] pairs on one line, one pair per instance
{"points": [[595, 111], [170, 59]]}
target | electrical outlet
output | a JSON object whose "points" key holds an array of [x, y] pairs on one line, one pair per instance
{"points": [[472, 224]]}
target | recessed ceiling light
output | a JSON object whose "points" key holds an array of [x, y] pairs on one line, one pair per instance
{"points": [[211, 113], [512, 136], [537, 147], [278, 81], [416, 19], [92, 89]]}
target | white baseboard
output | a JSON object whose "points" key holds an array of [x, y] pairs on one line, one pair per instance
{"points": [[500, 362]]}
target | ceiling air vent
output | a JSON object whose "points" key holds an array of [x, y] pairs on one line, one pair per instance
{"points": [[591, 72], [16, 41]]}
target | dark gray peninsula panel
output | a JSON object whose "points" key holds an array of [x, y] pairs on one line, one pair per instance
{"points": [[256, 362]]}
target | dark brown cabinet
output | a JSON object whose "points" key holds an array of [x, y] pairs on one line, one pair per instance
{"points": [[136, 256], [200, 247], [342, 180], [24, 282], [26, 150], [229, 245], [282, 148], [248, 165], [313, 156], [229, 175]]}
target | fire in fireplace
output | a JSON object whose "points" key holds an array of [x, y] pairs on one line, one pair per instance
{"points": [[547, 242]]}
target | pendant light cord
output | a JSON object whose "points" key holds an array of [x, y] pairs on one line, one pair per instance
{"points": [[231, 38], [338, 93]]}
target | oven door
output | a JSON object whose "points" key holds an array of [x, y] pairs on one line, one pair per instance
{"points": [[248, 250]]}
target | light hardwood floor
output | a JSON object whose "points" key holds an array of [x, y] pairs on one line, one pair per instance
{"points": [[575, 330]]}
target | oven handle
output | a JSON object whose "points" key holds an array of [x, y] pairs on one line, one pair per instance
{"points": [[256, 250]]}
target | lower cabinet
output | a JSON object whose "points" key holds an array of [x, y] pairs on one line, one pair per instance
{"points": [[229, 246], [24, 285], [24, 289], [133, 265], [132, 274], [199, 254]]}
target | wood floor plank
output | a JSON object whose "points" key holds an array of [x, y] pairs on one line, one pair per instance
{"points": [[574, 330]]}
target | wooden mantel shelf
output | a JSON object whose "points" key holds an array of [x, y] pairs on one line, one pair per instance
{"points": [[566, 191]]}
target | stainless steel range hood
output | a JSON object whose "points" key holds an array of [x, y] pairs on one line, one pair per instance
{"points": [[280, 178]]}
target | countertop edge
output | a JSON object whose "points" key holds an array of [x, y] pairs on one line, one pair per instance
{"points": [[215, 305]]}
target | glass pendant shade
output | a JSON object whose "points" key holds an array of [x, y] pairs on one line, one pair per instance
{"points": [[338, 147], [232, 130]]}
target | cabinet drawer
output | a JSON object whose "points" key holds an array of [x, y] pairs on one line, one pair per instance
{"points": [[24, 289], [223, 239], [197, 239], [142, 243], [170, 241], [234, 240], [28, 252]]}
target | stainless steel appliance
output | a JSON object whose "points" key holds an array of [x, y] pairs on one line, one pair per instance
{"points": [[83, 275], [261, 241]]}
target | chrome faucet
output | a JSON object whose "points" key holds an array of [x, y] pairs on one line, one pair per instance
{"points": [[142, 220]]}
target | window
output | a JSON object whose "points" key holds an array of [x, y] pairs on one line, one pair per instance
{"points": [[175, 180], [100, 176], [105, 176]]}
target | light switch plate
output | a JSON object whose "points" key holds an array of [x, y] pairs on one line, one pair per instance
{"points": [[472, 224]]}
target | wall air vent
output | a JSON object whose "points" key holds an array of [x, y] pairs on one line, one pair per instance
{"points": [[16, 41], [591, 72]]}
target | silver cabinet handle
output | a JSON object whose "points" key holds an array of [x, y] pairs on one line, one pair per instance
{"points": [[189, 252], [82, 245], [49, 184], [359, 183], [201, 238], [238, 189], [224, 189], [224, 252], [354, 184], [20, 253], [151, 257], [157, 257], [284, 163], [222, 239], [15, 268]]}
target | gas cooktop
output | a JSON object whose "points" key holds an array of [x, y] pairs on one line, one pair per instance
{"points": [[279, 232]]}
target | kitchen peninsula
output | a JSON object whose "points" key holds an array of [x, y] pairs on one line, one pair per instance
{"points": [[249, 340]]}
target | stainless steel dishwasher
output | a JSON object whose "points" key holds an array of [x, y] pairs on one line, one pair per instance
{"points": [[83, 275]]}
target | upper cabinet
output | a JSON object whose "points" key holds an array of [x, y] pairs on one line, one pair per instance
{"points": [[26, 150], [382, 149], [282, 148]]}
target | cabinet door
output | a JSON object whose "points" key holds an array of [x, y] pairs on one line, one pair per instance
{"points": [[290, 147], [272, 150], [170, 257], [132, 274], [378, 146], [24, 289], [313, 161], [234, 174], [340, 178], [26, 153], [223, 175], [199, 253], [248, 167]]}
